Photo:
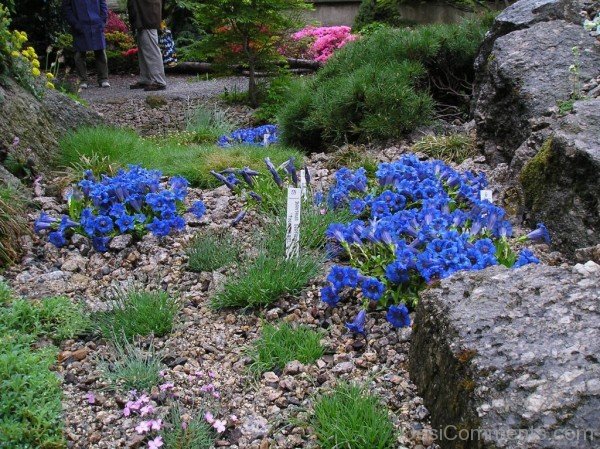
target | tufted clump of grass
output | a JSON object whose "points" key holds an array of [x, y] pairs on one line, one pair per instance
{"points": [[451, 148], [349, 417], [209, 252], [13, 224], [138, 313], [195, 434], [279, 345], [131, 367]]}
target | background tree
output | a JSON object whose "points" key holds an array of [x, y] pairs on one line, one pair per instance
{"points": [[247, 32]]}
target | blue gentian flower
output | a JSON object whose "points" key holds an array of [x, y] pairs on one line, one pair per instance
{"points": [[274, 172], [239, 217], [526, 257], [398, 316], [291, 169], [57, 238], [125, 223], [397, 273], [358, 325], [103, 224], [541, 233], [198, 209], [357, 206], [44, 222], [158, 227], [329, 296], [100, 244], [337, 277], [66, 223], [372, 288]]}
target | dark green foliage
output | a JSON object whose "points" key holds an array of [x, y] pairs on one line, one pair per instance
{"points": [[279, 345], [138, 313], [52, 318], [378, 86], [6, 296], [30, 399], [42, 21], [276, 95], [351, 418], [197, 433], [132, 368], [209, 252]]}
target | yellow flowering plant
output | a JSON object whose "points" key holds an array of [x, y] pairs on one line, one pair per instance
{"points": [[19, 61]]}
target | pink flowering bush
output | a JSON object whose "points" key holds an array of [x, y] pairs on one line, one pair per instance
{"points": [[325, 40], [115, 24]]}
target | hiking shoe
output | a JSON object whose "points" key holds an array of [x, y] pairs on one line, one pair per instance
{"points": [[154, 87], [83, 85], [104, 84], [138, 85]]}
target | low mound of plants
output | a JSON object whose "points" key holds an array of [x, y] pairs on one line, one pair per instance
{"points": [[105, 149], [385, 85], [416, 223]]}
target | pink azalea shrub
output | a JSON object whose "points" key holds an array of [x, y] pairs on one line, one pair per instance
{"points": [[325, 40], [115, 24]]}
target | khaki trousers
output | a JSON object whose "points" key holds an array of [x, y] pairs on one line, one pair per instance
{"points": [[152, 70]]}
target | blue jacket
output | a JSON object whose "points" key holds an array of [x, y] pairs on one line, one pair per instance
{"points": [[87, 19]]}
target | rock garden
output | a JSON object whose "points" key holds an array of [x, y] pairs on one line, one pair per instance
{"points": [[377, 237]]}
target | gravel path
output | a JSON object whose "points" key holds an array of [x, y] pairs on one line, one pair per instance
{"points": [[159, 113]]}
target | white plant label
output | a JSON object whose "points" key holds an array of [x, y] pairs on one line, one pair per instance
{"points": [[266, 138], [303, 187], [486, 195], [292, 237]]}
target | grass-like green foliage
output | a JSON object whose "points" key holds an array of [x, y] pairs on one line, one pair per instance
{"points": [[197, 434], [351, 418], [208, 252], [119, 147], [132, 367], [451, 148], [55, 318], [6, 295], [378, 86], [30, 398], [13, 224], [263, 280], [138, 313], [30, 394], [275, 96], [279, 345], [353, 157], [208, 125]]}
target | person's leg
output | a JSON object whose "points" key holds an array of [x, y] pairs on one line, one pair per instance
{"points": [[144, 78], [148, 46], [80, 67], [101, 66]]}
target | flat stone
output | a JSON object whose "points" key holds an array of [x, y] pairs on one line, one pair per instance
{"points": [[120, 242]]}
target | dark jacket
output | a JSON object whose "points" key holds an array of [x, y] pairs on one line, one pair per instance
{"points": [[145, 14], [87, 19]]}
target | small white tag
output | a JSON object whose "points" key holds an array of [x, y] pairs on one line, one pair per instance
{"points": [[292, 237], [266, 137], [486, 195], [303, 184]]}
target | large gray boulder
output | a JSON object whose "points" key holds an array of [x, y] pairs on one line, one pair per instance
{"points": [[522, 70], [39, 124], [509, 358], [560, 177]]}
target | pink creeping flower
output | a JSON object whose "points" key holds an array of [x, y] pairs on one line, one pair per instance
{"points": [[216, 394], [90, 398], [126, 411], [206, 388], [162, 373], [143, 427], [233, 418], [147, 410], [184, 425], [166, 386], [208, 416], [219, 425], [156, 424], [211, 374], [143, 399], [155, 443]]}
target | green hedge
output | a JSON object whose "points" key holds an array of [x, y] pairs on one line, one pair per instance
{"points": [[379, 86]]}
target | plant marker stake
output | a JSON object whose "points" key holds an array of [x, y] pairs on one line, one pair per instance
{"points": [[292, 237], [486, 195], [266, 137], [303, 186]]}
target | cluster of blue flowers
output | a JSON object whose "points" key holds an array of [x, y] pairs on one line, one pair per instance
{"points": [[259, 136], [415, 223], [133, 201]]}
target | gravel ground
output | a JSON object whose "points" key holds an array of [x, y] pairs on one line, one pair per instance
{"points": [[158, 113]]}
